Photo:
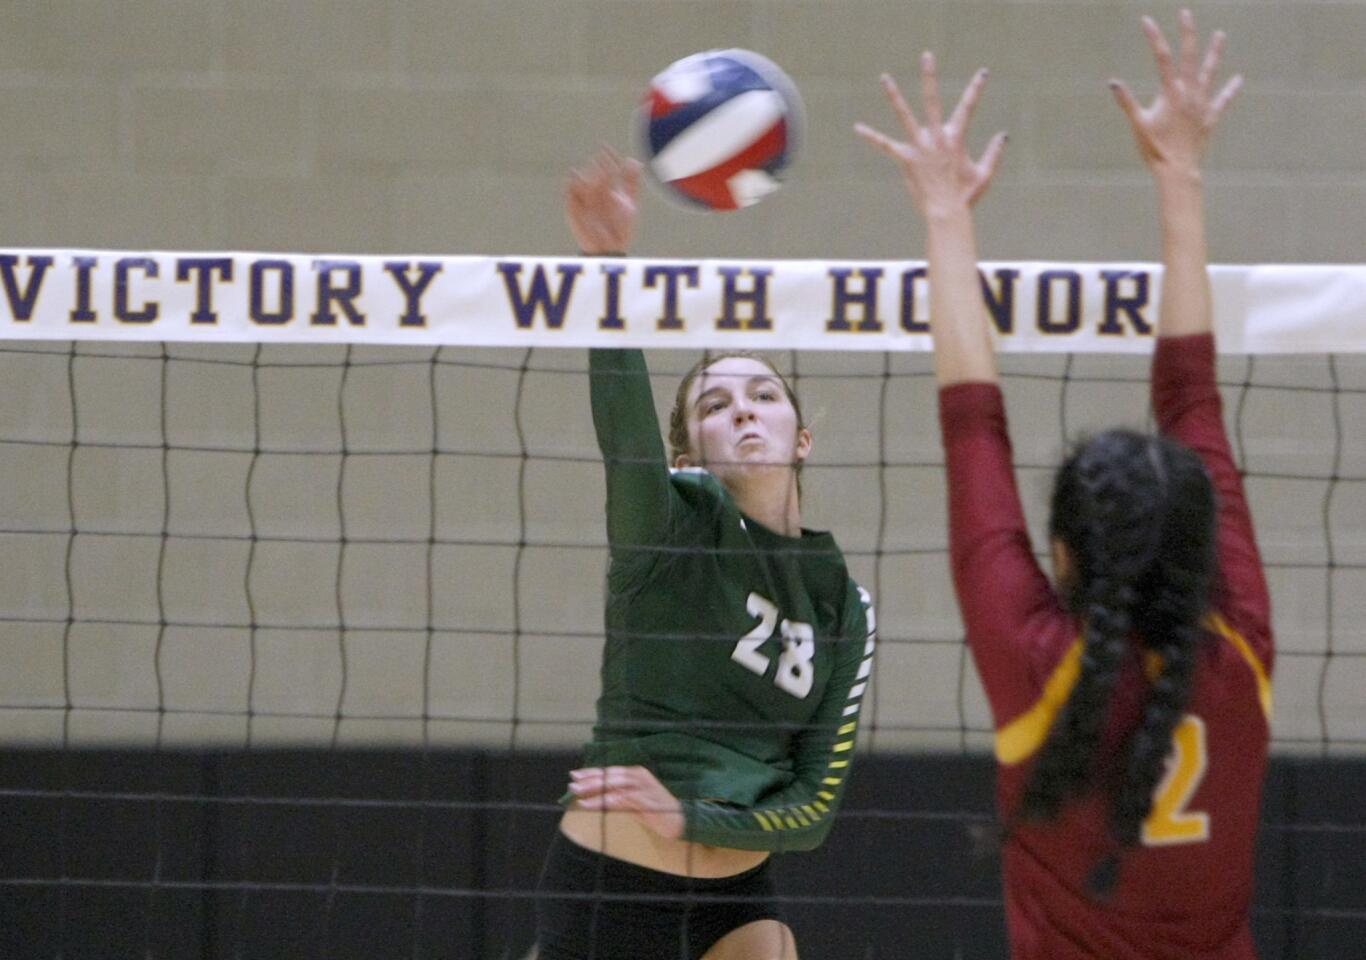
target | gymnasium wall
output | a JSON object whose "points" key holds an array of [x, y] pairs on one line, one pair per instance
{"points": [[369, 126], [446, 126]]}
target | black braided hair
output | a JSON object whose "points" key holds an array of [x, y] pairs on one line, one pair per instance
{"points": [[1137, 515]]}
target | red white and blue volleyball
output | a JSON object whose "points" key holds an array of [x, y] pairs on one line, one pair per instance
{"points": [[720, 127]]}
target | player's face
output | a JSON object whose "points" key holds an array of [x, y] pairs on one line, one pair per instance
{"points": [[740, 419]]}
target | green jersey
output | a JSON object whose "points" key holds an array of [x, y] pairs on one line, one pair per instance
{"points": [[736, 658]]}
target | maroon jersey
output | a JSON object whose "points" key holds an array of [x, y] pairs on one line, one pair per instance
{"points": [[1184, 892]]}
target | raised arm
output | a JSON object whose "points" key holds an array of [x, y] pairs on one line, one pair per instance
{"points": [[601, 205], [1172, 135], [945, 182], [996, 578]]}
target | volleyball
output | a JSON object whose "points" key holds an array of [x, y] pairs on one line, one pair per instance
{"points": [[719, 128]]}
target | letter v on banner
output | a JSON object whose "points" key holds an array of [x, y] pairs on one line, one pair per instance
{"points": [[22, 302]]}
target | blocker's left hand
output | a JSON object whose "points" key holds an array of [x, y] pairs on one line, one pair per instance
{"points": [[633, 790], [1173, 132]]}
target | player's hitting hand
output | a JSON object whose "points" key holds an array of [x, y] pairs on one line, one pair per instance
{"points": [[940, 173], [633, 790], [1173, 132], [601, 203]]}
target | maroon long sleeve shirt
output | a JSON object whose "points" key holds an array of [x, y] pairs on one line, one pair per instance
{"points": [[1185, 891]]}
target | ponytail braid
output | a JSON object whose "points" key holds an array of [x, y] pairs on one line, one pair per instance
{"points": [[1171, 629], [1112, 539], [1137, 515]]}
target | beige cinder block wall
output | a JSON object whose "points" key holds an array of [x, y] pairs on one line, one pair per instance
{"points": [[432, 125], [369, 126]]}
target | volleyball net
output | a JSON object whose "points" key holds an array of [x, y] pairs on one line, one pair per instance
{"points": [[258, 502]]}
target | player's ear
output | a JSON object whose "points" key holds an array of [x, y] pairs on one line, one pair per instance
{"points": [[803, 444], [681, 462]]}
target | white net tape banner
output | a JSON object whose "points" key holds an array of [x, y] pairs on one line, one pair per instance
{"points": [[1036, 307]]}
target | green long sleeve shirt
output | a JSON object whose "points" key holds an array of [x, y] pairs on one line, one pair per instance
{"points": [[736, 658]]}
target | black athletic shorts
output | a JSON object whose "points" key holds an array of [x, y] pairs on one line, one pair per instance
{"points": [[619, 911]]}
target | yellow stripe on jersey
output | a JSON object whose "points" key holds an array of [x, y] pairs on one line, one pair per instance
{"points": [[1019, 738], [809, 814], [1220, 626]]}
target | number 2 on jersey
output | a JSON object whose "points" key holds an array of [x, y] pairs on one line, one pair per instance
{"points": [[1170, 822], [795, 673]]}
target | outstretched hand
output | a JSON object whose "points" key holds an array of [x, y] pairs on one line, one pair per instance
{"points": [[940, 173], [601, 203], [633, 790], [1174, 130]]}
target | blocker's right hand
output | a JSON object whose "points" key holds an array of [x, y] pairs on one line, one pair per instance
{"points": [[602, 202], [934, 159]]}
